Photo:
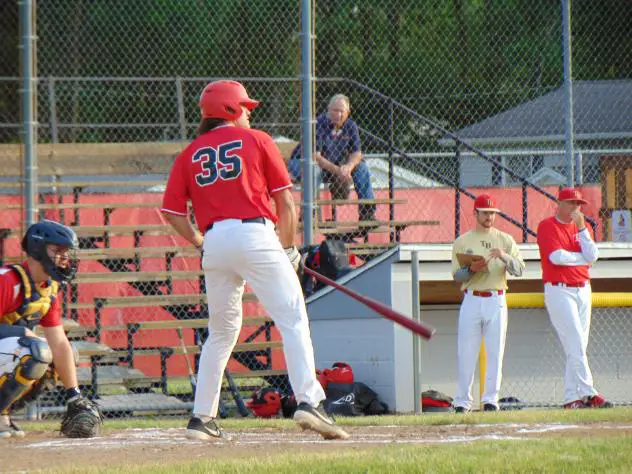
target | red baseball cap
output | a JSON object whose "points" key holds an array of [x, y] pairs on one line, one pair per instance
{"points": [[571, 194], [485, 202]]}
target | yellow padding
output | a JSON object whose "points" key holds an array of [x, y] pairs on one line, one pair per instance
{"points": [[18, 373], [599, 300]]}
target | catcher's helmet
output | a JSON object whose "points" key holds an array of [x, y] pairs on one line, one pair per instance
{"points": [[223, 100], [266, 402], [43, 233]]}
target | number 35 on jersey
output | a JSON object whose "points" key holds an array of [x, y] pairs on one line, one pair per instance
{"points": [[222, 162]]}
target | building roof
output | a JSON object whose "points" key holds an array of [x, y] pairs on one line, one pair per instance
{"points": [[602, 111]]}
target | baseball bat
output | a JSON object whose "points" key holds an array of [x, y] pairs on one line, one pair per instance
{"points": [[241, 406], [192, 377], [389, 313]]}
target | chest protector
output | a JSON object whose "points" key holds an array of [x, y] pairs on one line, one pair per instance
{"points": [[36, 304]]}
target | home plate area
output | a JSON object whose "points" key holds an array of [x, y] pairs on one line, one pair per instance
{"points": [[364, 435], [152, 446]]}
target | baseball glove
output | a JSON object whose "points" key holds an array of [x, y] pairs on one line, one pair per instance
{"points": [[83, 419]]}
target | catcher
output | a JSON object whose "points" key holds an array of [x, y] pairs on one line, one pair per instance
{"points": [[28, 297]]}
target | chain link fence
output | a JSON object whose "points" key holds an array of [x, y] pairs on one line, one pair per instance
{"points": [[117, 90], [535, 363]]}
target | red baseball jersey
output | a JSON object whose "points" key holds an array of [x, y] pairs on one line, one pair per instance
{"points": [[552, 236], [12, 297], [227, 173]]}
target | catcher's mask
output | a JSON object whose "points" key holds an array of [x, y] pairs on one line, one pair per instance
{"points": [[44, 233], [266, 402], [223, 100]]}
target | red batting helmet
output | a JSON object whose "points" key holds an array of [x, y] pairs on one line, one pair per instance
{"points": [[266, 402], [223, 100], [341, 372], [485, 203]]}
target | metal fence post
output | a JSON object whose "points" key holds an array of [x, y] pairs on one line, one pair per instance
{"points": [[568, 88], [29, 134], [391, 164], [306, 121], [457, 193], [579, 169], [414, 262], [181, 115]]}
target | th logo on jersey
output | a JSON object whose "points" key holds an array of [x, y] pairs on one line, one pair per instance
{"points": [[486, 245]]}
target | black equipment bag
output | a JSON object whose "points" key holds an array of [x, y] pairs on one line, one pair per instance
{"points": [[330, 259]]}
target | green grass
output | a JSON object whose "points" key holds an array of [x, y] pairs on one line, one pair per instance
{"points": [[621, 415], [562, 453], [556, 455]]}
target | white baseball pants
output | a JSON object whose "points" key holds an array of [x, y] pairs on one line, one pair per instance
{"points": [[10, 354], [480, 317], [234, 252], [570, 313]]}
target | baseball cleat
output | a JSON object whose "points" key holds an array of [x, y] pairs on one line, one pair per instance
{"points": [[316, 419], [596, 401], [574, 405], [490, 407], [8, 428], [461, 410], [198, 430]]}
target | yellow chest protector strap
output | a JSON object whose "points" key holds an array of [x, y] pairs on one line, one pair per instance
{"points": [[37, 301]]}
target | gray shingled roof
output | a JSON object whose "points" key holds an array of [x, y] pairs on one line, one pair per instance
{"points": [[602, 111]]}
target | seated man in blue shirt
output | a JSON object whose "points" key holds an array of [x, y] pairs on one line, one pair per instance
{"points": [[338, 156]]}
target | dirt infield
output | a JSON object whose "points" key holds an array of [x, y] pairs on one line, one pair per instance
{"points": [[146, 446]]}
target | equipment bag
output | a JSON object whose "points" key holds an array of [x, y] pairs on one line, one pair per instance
{"points": [[334, 259], [330, 259], [353, 399]]}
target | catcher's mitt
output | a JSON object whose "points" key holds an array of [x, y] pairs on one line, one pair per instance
{"points": [[83, 419]]}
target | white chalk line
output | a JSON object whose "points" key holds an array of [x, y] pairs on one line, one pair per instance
{"points": [[175, 436]]}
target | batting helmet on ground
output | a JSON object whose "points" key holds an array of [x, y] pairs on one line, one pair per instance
{"points": [[266, 402], [223, 100]]}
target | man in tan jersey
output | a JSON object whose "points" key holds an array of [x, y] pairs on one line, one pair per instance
{"points": [[481, 260]]}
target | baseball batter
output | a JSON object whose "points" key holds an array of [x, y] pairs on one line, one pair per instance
{"points": [[28, 297], [483, 312], [567, 251], [231, 173]]}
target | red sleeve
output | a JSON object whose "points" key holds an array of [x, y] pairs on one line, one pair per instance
{"points": [[7, 290], [53, 317], [176, 194], [277, 176], [548, 239]]}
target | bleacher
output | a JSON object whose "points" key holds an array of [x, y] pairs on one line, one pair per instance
{"points": [[137, 306]]}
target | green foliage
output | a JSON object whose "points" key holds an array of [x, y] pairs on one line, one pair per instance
{"points": [[457, 60]]}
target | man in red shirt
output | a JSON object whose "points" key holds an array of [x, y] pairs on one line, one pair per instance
{"points": [[231, 173], [29, 297], [567, 251]]}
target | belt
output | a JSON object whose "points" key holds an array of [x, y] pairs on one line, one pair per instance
{"points": [[579, 284], [251, 220], [486, 294]]}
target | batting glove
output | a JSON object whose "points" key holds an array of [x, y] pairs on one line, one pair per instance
{"points": [[294, 256]]}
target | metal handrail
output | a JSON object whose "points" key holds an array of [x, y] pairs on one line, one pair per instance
{"points": [[452, 135], [461, 143], [443, 179]]}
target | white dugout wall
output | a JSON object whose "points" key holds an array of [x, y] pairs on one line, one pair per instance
{"points": [[380, 352]]}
